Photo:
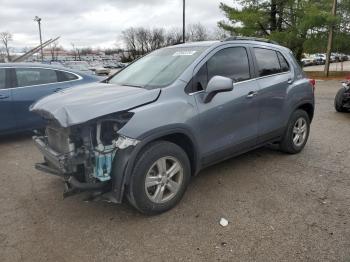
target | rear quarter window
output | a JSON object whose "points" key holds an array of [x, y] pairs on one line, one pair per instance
{"points": [[283, 62], [267, 61], [65, 76]]}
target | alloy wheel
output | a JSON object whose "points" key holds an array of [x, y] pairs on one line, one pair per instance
{"points": [[163, 180], [300, 132]]}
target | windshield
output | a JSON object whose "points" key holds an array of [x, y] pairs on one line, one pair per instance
{"points": [[158, 69]]}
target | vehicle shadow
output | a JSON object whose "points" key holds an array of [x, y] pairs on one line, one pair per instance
{"points": [[265, 151], [120, 211], [18, 137]]}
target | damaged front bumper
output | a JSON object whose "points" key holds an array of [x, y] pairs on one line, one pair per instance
{"points": [[55, 163], [67, 166]]}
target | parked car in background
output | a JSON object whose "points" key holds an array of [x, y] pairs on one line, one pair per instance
{"points": [[101, 71], [98, 69], [343, 57], [145, 131], [319, 59], [122, 65], [21, 84], [307, 61], [56, 63], [113, 65], [333, 58], [81, 66]]}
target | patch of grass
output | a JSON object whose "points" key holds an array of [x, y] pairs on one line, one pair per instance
{"points": [[337, 75]]}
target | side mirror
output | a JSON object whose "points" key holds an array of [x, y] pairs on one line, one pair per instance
{"points": [[216, 85]]}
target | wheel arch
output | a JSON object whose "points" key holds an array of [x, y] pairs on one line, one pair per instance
{"points": [[185, 142], [178, 135], [308, 108], [125, 159]]}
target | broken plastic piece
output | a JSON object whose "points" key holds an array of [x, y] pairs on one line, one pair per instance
{"points": [[124, 142]]}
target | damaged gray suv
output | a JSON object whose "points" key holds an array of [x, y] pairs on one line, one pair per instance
{"points": [[142, 133]]}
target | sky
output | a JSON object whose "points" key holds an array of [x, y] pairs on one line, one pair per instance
{"points": [[99, 23]]}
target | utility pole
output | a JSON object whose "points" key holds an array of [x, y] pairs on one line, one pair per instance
{"points": [[330, 40], [38, 19], [183, 21]]}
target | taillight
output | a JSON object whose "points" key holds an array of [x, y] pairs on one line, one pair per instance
{"points": [[313, 83]]}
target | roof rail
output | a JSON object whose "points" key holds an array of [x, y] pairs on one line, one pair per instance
{"points": [[233, 38]]}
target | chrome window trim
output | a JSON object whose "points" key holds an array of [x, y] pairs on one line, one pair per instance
{"points": [[235, 83], [34, 67], [281, 73], [248, 80]]}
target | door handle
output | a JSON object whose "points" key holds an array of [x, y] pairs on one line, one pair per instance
{"points": [[57, 90], [290, 81], [3, 96], [252, 94]]}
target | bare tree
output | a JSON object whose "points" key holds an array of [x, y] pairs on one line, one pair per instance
{"points": [[157, 38], [197, 32], [2, 55], [139, 41], [53, 50], [6, 37], [86, 51], [174, 36], [143, 37], [74, 52], [220, 34], [129, 38]]}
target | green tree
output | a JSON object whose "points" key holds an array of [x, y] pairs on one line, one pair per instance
{"points": [[298, 24]]}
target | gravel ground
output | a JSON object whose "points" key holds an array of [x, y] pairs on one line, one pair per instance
{"points": [[280, 207]]}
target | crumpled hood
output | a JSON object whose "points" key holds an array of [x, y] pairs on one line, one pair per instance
{"points": [[80, 104]]}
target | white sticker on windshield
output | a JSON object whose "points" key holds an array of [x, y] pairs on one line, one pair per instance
{"points": [[181, 53]]}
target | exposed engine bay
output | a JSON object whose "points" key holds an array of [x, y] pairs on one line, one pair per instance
{"points": [[83, 154]]}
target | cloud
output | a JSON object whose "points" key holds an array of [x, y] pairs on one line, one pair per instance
{"points": [[98, 23]]}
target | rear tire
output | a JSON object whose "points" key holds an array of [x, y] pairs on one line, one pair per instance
{"points": [[160, 178], [297, 133], [338, 100]]}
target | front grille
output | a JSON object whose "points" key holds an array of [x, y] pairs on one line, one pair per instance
{"points": [[58, 139]]}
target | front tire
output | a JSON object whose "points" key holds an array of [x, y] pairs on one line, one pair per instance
{"points": [[297, 133], [160, 178], [338, 100]]}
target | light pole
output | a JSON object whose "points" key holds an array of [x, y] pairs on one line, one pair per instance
{"points": [[183, 21], [330, 40], [38, 19]]}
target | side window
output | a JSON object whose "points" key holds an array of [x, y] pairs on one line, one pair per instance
{"points": [[231, 62], [200, 79], [283, 62], [35, 76], [65, 76], [2, 78], [267, 61]]}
